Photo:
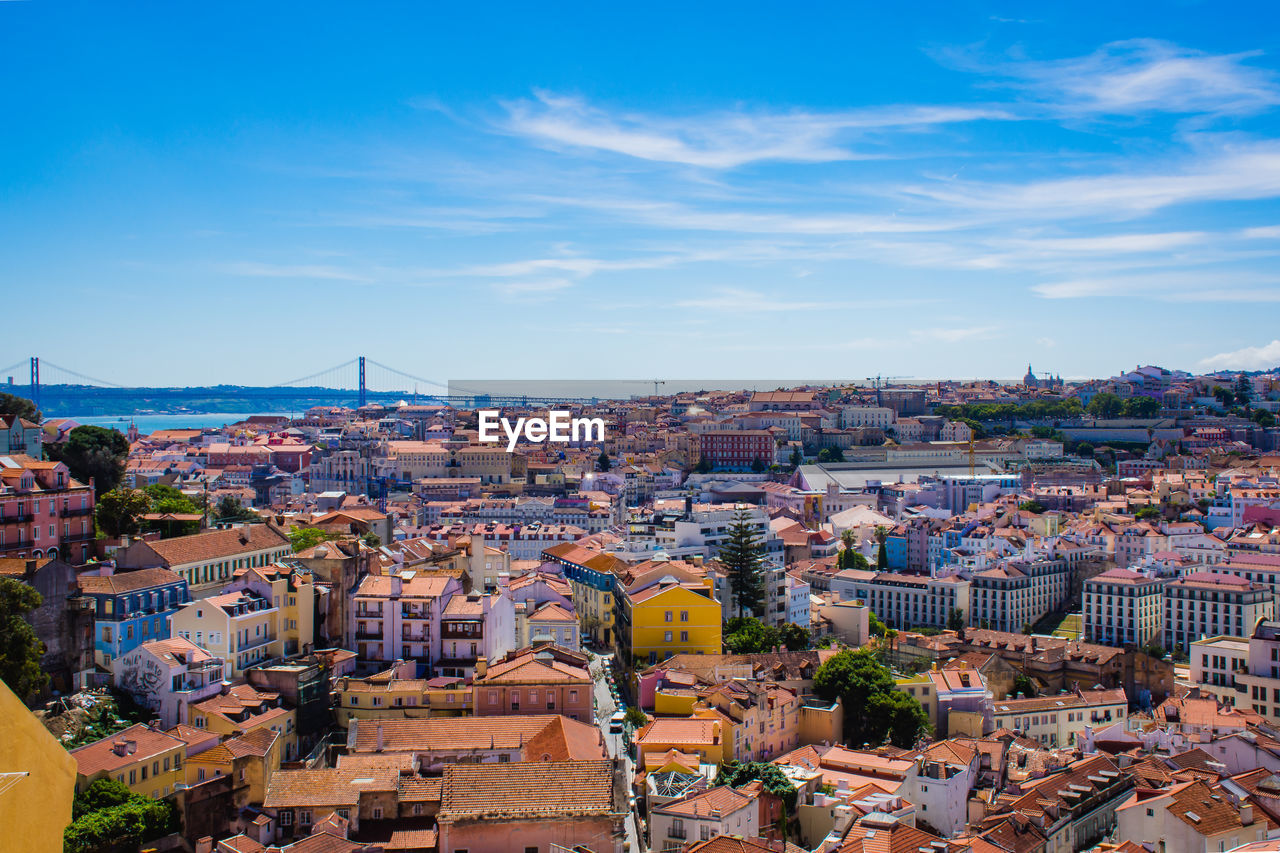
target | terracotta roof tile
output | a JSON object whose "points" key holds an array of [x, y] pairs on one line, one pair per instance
{"points": [[527, 790]]}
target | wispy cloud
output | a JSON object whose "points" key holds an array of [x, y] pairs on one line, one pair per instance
{"points": [[1140, 76], [1234, 172], [1264, 357], [533, 289], [1187, 286], [724, 139], [956, 334]]}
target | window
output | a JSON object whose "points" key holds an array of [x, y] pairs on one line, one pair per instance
{"points": [[684, 636], [666, 636], [304, 816], [377, 813], [666, 617], [286, 818], [684, 615]]}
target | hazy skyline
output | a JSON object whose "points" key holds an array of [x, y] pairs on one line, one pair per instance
{"points": [[235, 193]]}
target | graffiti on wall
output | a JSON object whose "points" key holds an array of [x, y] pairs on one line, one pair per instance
{"points": [[143, 678]]}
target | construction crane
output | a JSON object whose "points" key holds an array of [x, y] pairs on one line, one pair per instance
{"points": [[877, 382], [971, 466], [656, 383]]}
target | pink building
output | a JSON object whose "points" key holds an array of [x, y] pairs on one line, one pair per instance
{"points": [[43, 511], [535, 680]]}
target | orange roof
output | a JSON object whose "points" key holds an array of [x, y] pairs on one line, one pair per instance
{"points": [[138, 743], [562, 790]]}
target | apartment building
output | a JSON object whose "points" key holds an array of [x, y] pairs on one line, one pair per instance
{"points": [[878, 417], [43, 511], [592, 577], [1121, 606], [167, 676], [737, 450], [146, 760], [1060, 720], [544, 679], [207, 560], [905, 601], [131, 608], [701, 816], [408, 461], [1017, 593], [662, 616], [241, 626], [473, 627], [1242, 672], [1209, 604], [397, 617]]}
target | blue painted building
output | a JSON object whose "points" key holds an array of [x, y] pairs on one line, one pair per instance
{"points": [[132, 608]]}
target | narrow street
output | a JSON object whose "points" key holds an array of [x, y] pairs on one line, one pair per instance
{"points": [[605, 708]]}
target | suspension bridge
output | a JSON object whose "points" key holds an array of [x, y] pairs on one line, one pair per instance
{"points": [[358, 381]]}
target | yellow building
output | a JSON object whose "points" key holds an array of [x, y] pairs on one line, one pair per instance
{"points": [[243, 709], [593, 577], [37, 780], [920, 687], [249, 759], [264, 613], [395, 694], [667, 618], [706, 738], [146, 760]]}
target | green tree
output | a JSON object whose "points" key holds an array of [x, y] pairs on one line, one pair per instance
{"points": [[1027, 628], [1147, 513], [745, 635], [796, 458], [1106, 406], [1244, 391], [882, 557], [1263, 418], [20, 648], [104, 822], [1084, 449], [303, 538], [11, 404], [851, 558], [830, 454], [93, 453], [771, 777], [119, 511], [874, 626], [1031, 506], [1023, 686], [795, 637], [1141, 407], [875, 710], [757, 466], [168, 499], [602, 462], [1223, 395], [371, 539], [703, 466], [230, 509], [955, 619], [635, 717], [742, 556]]}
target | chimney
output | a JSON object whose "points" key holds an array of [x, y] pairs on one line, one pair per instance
{"points": [[120, 748], [204, 845], [225, 687], [482, 666], [378, 738]]}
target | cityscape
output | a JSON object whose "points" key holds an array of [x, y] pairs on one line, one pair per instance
{"points": [[615, 429]]}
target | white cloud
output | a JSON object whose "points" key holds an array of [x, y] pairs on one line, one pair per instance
{"points": [[1207, 286], [537, 288], [1147, 75], [954, 335], [1230, 173], [1264, 357], [722, 140]]}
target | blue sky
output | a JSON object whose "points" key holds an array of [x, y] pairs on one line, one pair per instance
{"points": [[241, 192]]}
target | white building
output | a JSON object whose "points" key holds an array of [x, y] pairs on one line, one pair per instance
{"points": [[166, 676], [1123, 606], [1061, 720], [904, 601], [1208, 604]]}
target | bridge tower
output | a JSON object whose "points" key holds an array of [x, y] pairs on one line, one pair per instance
{"points": [[35, 380], [363, 390]]}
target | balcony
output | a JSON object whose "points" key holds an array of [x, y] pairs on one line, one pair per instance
{"points": [[17, 518], [256, 643], [74, 512], [368, 634], [87, 536], [10, 545]]}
